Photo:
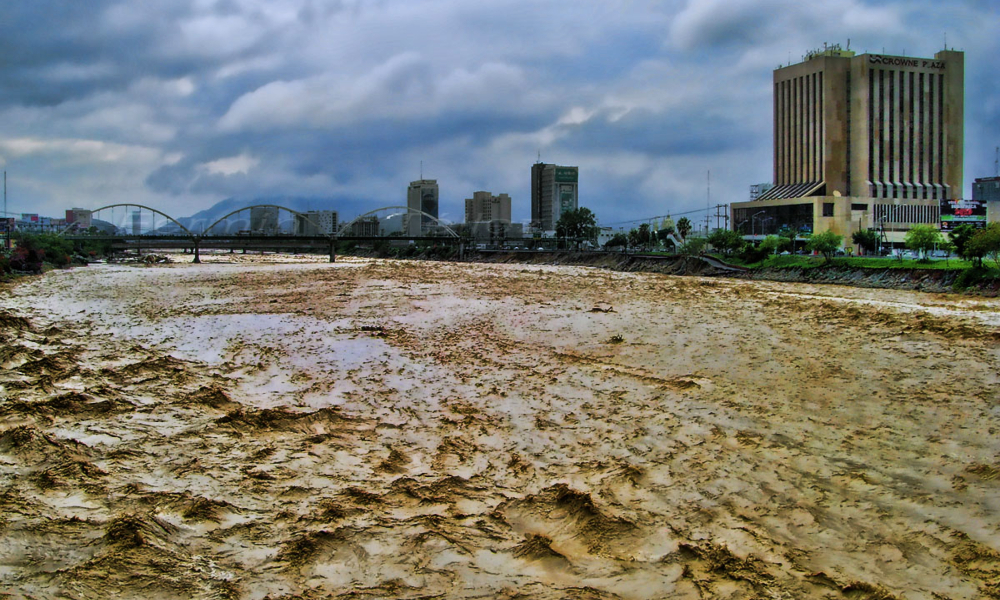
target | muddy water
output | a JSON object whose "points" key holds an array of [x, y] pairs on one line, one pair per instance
{"points": [[250, 428]]}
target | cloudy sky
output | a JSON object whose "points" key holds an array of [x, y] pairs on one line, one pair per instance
{"points": [[178, 104]]}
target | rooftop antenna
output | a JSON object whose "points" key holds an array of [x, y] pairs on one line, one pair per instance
{"points": [[539, 155], [848, 43], [996, 173], [946, 40], [421, 169]]}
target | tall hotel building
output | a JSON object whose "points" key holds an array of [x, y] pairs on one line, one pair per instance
{"points": [[422, 195], [869, 141], [554, 190]]}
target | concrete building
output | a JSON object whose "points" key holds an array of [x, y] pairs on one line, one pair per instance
{"points": [[869, 141], [316, 222], [484, 206], [554, 190], [987, 190], [488, 217], [422, 195], [365, 227], [264, 220], [81, 216]]}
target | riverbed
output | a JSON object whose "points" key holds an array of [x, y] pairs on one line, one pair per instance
{"points": [[267, 426]]}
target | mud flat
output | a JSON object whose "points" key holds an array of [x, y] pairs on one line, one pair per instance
{"points": [[249, 428]]}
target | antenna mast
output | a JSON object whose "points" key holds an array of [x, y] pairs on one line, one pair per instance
{"points": [[421, 169], [996, 173]]}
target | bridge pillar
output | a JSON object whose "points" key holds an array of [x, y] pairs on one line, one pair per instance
{"points": [[197, 256], [461, 251], [333, 251]]}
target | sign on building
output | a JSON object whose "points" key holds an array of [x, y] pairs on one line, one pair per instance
{"points": [[961, 212]]}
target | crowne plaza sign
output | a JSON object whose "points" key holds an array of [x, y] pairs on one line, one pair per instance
{"points": [[902, 61]]}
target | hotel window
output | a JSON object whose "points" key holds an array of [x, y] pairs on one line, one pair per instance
{"points": [[828, 209]]}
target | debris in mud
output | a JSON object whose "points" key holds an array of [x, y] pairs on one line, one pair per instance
{"points": [[211, 396], [603, 308], [536, 547], [616, 339], [9, 320], [859, 590]]}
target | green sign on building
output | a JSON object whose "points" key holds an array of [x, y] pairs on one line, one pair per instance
{"points": [[566, 174]]}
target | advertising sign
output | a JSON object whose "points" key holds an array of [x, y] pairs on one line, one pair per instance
{"points": [[31, 218], [566, 198], [566, 174], [959, 212]]}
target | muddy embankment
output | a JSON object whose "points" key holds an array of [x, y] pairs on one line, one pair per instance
{"points": [[927, 280]]}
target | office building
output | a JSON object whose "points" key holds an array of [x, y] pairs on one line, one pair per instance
{"points": [[986, 190], [81, 217], [869, 141], [365, 227], [554, 190], [488, 217], [484, 206], [422, 195], [316, 222]]}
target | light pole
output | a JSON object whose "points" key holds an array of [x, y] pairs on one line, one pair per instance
{"points": [[753, 218]]}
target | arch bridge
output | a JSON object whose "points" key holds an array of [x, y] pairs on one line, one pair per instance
{"points": [[133, 229]]}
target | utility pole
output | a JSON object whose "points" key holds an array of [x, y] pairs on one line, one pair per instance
{"points": [[708, 198], [6, 223], [721, 215]]}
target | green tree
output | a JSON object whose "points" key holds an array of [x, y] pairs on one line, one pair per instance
{"points": [[825, 243], [867, 239], [683, 227], [726, 241], [960, 237], [773, 243], [986, 243], [645, 235], [633, 237], [693, 246], [619, 239], [922, 238], [578, 225], [789, 234]]}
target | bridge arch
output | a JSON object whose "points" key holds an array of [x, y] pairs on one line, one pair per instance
{"points": [[346, 226], [149, 208], [238, 210]]}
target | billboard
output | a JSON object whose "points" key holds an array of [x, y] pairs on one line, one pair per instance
{"points": [[29, 217], [566, 198], [961, 212], [566, 174]]}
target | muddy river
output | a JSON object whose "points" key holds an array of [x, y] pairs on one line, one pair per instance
{"points": [[279, 427]]}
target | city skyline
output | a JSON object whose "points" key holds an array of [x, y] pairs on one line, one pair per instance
{"points": [[181, 105]]}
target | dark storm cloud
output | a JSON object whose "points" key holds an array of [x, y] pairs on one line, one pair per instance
{"points": [[186, 102], [666, 134]]}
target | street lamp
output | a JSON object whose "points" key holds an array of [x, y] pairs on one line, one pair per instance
{"points": [[753, 217]]}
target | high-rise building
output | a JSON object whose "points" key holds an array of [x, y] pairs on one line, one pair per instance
{"points": [[986, 190], [316, 222], [365, 227], [554, 190], [422, 195], [484, 207], [488, 217], [862, 141]]}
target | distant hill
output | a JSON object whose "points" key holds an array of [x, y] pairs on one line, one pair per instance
{"points": [[347, 208]]}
